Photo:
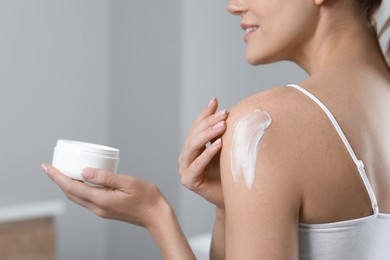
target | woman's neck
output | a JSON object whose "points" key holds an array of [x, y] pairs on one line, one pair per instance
{"points": [[337, 44]]}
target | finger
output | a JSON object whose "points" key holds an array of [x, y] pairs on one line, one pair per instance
{"points": [[208, 122], [84, 203], [68, 185], [208, 111], [79, 192], [195, 145], [93, 207], [103, 178], [199, 165]]}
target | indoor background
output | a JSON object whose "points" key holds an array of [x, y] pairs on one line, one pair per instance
{"points": [[125, 73]]}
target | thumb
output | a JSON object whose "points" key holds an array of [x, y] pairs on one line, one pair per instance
{"points": [[101, 177]]}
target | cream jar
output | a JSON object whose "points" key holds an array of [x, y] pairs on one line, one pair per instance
{"points": [[71, 157]]}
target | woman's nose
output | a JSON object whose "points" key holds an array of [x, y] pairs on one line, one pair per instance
{"points": [[236, 7]]}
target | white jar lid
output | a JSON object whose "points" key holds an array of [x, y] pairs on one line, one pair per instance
{"points": [[89, 148]]}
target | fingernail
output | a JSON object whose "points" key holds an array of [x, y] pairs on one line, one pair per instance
{"points": [[88, 173], [44, 167], [217, 142], [211, 102], [219, 125], [220, 113]]}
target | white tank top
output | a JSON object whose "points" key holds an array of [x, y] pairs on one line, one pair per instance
{"points": [[366, 238]]}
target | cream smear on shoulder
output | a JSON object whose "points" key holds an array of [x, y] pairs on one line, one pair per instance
{"points": [[245, 145]]}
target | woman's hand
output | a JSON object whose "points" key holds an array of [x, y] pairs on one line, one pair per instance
{"points": [[116, 196], [129, 199], [199, 163]]}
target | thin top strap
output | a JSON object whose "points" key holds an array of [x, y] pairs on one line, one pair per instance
{"points": [[359, 163]]}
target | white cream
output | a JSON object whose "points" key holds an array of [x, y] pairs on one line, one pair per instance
{"points": [[245, 145]]}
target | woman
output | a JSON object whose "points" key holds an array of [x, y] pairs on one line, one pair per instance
{"points": [[294, 184]]}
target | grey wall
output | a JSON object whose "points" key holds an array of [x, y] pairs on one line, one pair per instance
{"points": [[54, 78], [145, 93], [96, 71], [381, 17]]}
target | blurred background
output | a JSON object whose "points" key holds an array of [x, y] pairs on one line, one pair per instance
{"points": [[125, 73]]}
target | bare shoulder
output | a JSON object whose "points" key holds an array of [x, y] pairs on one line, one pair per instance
{"points": [[284, 107], [259, 175], [270, 99], [280, 102]]}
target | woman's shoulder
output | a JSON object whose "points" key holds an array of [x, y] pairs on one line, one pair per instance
{"points": [[290, 128], [266, 98], [283, 105]]}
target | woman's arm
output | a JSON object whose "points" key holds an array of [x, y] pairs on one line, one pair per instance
{"points": [[217, 249], [168, 235], [198, 163], [262, 213], [132, 200], [128, 199], [199, 167]]}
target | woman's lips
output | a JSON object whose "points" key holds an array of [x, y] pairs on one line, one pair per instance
{"points": [[249, 30]]}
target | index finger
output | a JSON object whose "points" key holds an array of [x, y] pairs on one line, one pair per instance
{"points": [[69, 186], [208, 111]]}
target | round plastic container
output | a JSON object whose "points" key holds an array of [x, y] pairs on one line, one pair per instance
{"points": [[71, 157]]}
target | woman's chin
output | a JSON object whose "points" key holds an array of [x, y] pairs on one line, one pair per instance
{"points": [[254, 61], [260, 60]]}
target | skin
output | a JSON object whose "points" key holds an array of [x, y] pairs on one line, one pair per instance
{"points": [[135, 201], [303, 171], [199, 168], [122, 197], [198, 165]]}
